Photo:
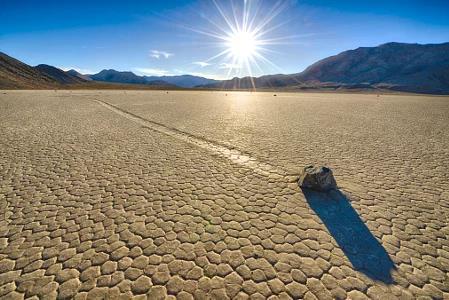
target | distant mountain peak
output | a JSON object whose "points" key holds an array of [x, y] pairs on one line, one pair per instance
{"points": [[111, 75], [58, 75], [186, 80], [398, 66], [394, 66], [409, 67], [15, 74], [75, 73]]}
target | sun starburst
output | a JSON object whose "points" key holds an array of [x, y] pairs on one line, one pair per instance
{"points": [[242, 45], [243, 31]]}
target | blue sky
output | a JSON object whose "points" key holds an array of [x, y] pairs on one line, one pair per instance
{"points": [[176, 37]]}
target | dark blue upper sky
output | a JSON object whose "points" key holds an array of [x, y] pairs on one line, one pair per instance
{"points": [[178, 36]]}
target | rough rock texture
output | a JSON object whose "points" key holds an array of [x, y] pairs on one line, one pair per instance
{"points": [[317, 178]]}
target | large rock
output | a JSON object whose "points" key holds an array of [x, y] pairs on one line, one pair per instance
{"points": [[318, 179]]}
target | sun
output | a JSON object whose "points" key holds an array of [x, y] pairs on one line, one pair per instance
{"points": [[242, 45], [244, 31]]}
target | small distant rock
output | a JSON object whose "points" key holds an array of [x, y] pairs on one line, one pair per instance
{"points": [[317, 178]]}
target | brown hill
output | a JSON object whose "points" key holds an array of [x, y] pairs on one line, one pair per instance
{"points": [[59, 75], [393, 66], [15, 74], [78, 74], [405, 67]]}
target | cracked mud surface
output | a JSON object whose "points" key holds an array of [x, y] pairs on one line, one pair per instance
{"points": [[94, 204]]}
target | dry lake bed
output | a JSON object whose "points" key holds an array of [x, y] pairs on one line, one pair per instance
{"points": [[154, 194]]}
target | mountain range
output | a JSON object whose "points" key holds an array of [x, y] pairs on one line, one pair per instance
{"points": [[392, 66], [184, 81], [15, 74]]}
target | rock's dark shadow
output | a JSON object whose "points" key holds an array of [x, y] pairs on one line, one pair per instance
{"points": [[360, 246]]}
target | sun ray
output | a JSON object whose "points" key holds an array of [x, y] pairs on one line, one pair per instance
{"points": [[221, 28], [251, 78], [254, 61], [224, 52], [271, 28], [245, 14], [233, 29], [203, 32], [275, 11], [292, 38], [254, 18], [244, 31], [235, 17], [266, 60]]}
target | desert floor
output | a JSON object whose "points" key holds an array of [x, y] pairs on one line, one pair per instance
{"points": [[193, 195]]}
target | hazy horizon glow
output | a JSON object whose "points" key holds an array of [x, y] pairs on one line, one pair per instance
{"points": [[214, 38]]}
